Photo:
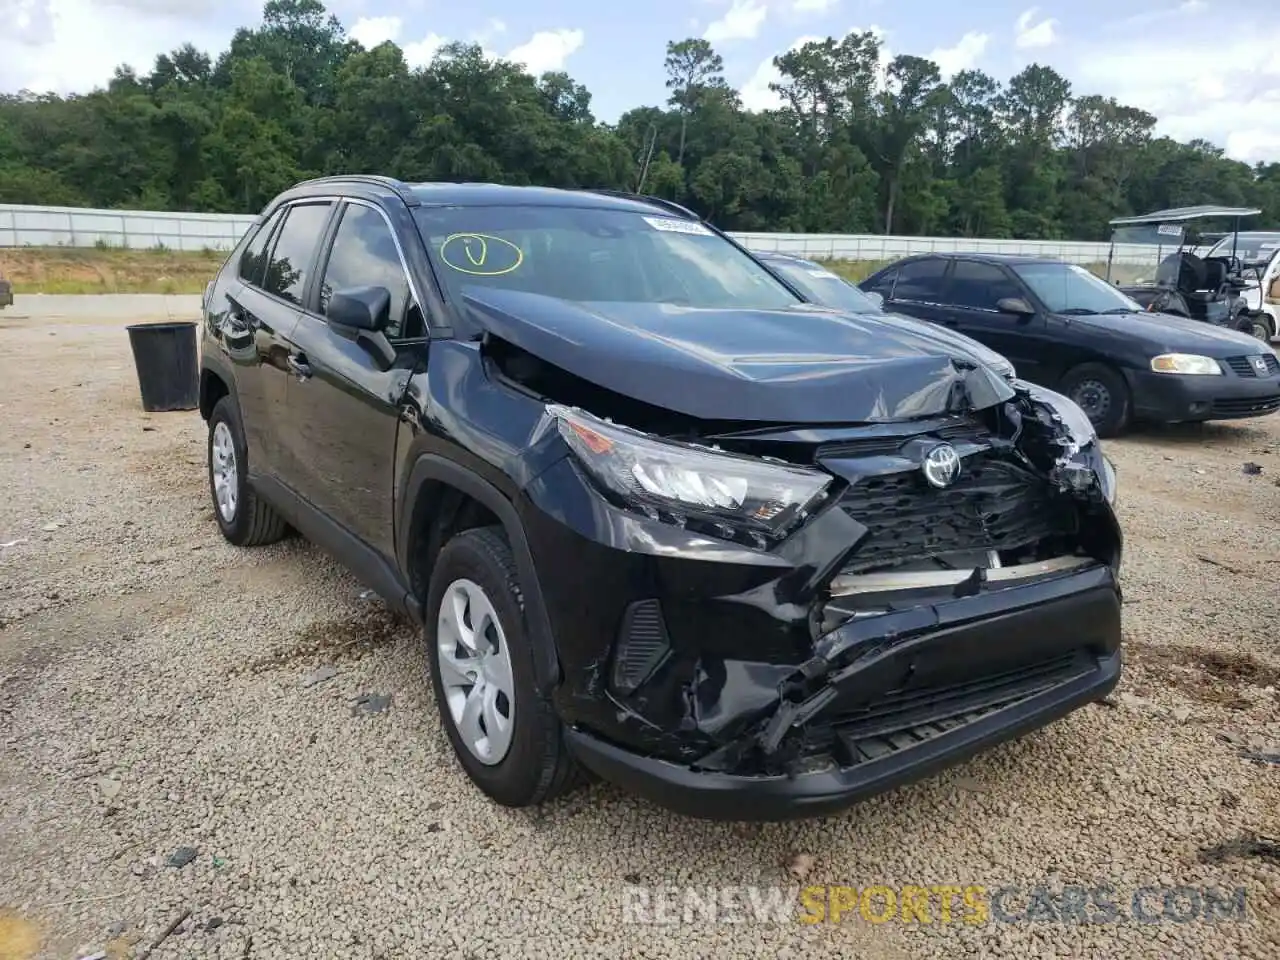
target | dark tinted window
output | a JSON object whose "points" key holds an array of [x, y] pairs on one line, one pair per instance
{"points": [[979, 285], [881, 283], [364, 254], [254, 257], [294, 247], [920, 280]]}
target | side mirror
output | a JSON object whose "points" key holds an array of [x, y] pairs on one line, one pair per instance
{"points": [[360, 308], [876, 298], [1016, 305], [362, 314]]}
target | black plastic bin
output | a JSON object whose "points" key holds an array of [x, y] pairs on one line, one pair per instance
{"points": [[168, 371]]}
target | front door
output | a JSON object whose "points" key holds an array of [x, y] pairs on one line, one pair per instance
{"points": [[973, 291], [343, 405]]}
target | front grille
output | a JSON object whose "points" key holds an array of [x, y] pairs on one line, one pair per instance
{"points": [[1244, 407], [964, 432], [1243, 366], [903, 719], [994, 505]]}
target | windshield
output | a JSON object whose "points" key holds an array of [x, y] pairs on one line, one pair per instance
{"points": [[823, 287], [1067, 288], [592, 255], [1256, 247]]}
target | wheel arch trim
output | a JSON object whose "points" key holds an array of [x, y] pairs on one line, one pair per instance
{"points": [[432, 467]]}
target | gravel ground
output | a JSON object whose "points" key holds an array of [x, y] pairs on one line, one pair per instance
{"points": [[156, 705]]}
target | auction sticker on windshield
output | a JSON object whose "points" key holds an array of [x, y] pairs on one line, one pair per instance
{"points": [[668, 225]]}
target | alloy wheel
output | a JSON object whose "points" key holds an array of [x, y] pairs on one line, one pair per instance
{"points": [[226, 478], [475, 671]]}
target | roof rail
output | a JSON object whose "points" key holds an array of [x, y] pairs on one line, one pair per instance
{"points": [[670, 205], [398, 187]]}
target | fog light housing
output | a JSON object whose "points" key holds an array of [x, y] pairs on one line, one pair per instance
{"points": [[642, 646]]}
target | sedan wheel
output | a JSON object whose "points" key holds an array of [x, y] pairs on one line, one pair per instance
{"points": [[1094, 398], [475, 671]]}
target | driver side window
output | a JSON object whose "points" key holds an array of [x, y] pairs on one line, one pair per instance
{"points": [[364, 254]]}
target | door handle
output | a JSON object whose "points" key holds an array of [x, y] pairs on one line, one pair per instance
{"points": [[298, 364]]}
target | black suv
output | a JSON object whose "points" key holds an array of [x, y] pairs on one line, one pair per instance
{"points": [[660, 518]]}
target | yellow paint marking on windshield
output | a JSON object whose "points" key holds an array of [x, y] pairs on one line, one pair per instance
{"points": [[476, 249]]}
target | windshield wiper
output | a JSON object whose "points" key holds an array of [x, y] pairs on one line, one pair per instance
{"points": [[1077, 312], [1121, 310]]}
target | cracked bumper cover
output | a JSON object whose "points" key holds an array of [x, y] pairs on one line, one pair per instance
{"points": [[965, 675]]}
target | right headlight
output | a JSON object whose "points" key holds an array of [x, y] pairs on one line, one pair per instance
{"points": [[684, 481], [1189, 363]]}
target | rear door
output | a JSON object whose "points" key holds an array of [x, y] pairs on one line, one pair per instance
{"points": [[344, 412], [274, 306], [254, 330], [917, 289], [973, 289]]}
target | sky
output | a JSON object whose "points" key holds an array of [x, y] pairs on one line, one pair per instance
{"points": [[1205, 68]]}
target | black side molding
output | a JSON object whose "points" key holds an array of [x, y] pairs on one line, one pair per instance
{"points": [[368, 565], [430, 467]]}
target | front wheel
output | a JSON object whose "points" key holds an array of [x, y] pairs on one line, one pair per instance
{"points": [[505, 733], [1101, 392]]}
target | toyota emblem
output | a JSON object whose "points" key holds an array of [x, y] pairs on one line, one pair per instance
{"points": [[942, 466]]}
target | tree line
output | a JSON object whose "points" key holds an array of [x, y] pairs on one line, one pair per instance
{"points": [[858, 145]]}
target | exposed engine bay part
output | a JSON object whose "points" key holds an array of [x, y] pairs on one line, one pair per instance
{"points": [[844, 586]]}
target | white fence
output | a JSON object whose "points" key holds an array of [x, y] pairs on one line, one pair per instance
{"points": [[33, 226], [29, 226]]}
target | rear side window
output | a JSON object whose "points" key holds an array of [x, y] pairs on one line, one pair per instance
{"points": [[294, 250], [253, 260], [979, 285], [920, 280], [881, 284]]}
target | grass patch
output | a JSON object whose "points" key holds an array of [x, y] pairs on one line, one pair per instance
{"points": [[107, 270]]}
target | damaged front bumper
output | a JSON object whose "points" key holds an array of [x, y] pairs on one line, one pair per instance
{"points": [[896, 630], [897, 699]]}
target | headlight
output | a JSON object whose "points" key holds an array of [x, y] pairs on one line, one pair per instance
{"points": [[1107, 480], [684, 481], [1186, 363]]}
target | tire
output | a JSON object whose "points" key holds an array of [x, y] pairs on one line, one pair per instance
{"points": [[1101, 392], [527, 762], [1257, 325], [249, 521]]}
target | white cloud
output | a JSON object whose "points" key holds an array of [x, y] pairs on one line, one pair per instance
{"points": [[372, 31], [965, 55], [813, 6], [1032, 33], [547, 50], [72, 46], [418, 53], [742, 21], [1231, 98]]}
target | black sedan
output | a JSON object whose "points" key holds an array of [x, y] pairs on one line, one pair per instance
{"points": [[820, 286], [1067, 329]]}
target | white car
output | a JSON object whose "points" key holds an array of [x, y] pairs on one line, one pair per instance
{"points": [[1259, 251]]}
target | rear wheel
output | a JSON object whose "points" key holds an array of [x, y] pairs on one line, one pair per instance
{"points": [[1101, 392], [1258, 325], [243, 518]]}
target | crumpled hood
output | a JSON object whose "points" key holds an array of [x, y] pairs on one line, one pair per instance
{"points": [[956, 340], [797, 365], [1177, 334]]}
